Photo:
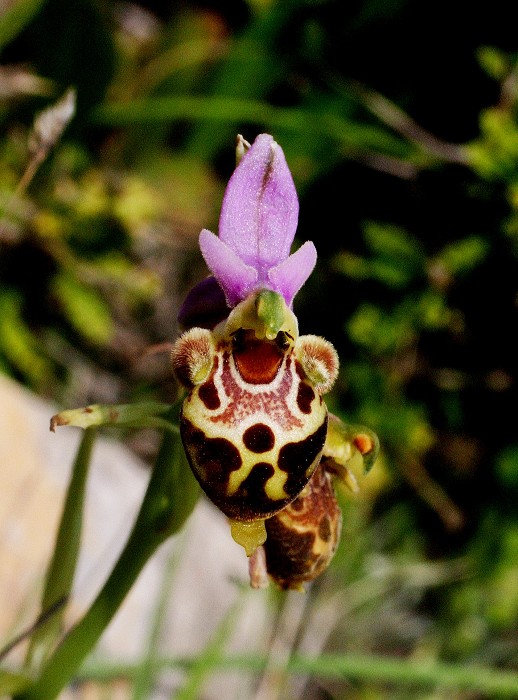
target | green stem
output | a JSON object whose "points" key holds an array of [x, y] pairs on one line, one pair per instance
{"points": [[123, 415], [60, 574], [359, 667], [169, 499], [145, 680]]}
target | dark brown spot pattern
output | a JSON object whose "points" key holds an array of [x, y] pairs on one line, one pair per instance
{"points": [[252, 490], [295, 458], [259, 438], [209, 395], [250, 501], [300, 372], [211, 459], [288, 553], [297, 504], [305, 396]]}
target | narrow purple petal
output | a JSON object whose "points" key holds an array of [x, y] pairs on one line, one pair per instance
{"points": [[260, 209], [233, 275], [289, 275]]}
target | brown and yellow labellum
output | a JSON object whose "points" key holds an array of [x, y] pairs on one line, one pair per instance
{"points": [[254, 423], [301, 539], [255, 429]]}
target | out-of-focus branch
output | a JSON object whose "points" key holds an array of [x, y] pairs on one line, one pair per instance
{"points": [[431, 492], [393, 116], [47, 129]]}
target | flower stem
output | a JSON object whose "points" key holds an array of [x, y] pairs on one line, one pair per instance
{"points": [[60, 574], [169, 499]]}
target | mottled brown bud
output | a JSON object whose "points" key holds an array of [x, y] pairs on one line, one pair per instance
{"points": [[303, 537]]}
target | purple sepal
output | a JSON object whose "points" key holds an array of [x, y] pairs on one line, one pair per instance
{"points": [[260, 208], [205, 306]]}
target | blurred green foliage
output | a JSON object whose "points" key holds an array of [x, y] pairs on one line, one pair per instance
{"points": [[404, 147]]}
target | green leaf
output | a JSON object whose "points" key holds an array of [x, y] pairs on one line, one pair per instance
{"points": [[507, 467], [84, 307], [464, 255], [170, 497], [18, 343], [397, 257], [429, 311], [16, 17], [379, 331], [393, 242], [351, 265], [11, 682], [494, 155], [494, 62], [348, 134], [367, 327], [401, 672], [60, 574], [141, 283], [390, 272]]}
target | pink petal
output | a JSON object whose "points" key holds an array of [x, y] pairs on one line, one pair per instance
{"points": [[260, 209], [289, 275], [236, 278]]}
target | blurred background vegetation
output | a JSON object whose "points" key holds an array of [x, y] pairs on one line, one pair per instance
{"points": [[399, 122]]}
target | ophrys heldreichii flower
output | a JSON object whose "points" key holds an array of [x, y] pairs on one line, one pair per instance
{"points": [[254, 424]]}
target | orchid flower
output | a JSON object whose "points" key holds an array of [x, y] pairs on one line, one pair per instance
{"points": [[254, 425]]}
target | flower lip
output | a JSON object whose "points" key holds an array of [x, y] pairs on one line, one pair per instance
{"points": [[257, 225]]}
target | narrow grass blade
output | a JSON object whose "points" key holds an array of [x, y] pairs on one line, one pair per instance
{"points": [[60, 574], [365, 668], [170, 497], [210, 657], [346, 133]]}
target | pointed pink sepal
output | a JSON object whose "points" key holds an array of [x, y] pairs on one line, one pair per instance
{"points": [[236, 278], [260, 208]]}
